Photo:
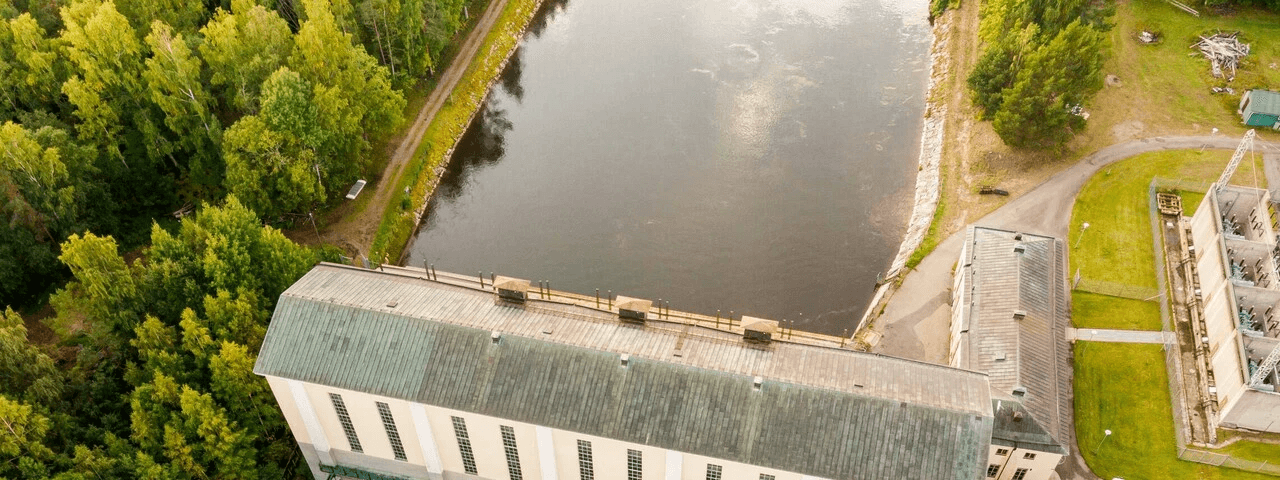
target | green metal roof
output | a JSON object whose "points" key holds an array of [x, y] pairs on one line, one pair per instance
{"points": [[858, 415], [1262, 101], [1016, 427]]}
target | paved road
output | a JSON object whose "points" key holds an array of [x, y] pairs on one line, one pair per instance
{"points": [[914, 322], [1121, 336]]}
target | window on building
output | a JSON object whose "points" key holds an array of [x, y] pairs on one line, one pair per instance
{"points": [[634, 465], [1002, 451], [513, 455], [464, 445], [389, 423], [1020, 473], [345, 420], [586, 467], [765, 476], [1029, 456], [993, 470], [714, 472]]}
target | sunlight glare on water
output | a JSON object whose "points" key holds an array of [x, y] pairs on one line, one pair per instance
{"points": [[747, 155]]}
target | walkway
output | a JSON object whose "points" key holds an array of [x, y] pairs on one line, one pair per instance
{"points": [[914, 322], [354, 232], [1120, 336]]}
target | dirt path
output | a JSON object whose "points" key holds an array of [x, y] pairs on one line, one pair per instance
{"points": [[354, 230]]}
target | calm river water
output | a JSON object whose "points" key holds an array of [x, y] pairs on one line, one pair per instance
{"points": [[747, 155]]}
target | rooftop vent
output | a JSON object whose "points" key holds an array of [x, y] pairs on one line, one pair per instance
{"points": [[625, 359], [633, 310], [1019, 247], [1017, 236], [511, 290], [495, 336], [758, 330], [1019, 314], [1017, 416], [1019, 391], [757, 382]]}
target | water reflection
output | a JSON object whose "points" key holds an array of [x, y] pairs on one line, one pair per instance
{"points": [[747, 155], [481, 146], [546, 13]]}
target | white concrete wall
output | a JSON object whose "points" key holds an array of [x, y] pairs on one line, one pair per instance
{"points": [[1039, 468], [437, 450], [1220, 319], [1254, 410], [959, 310]]}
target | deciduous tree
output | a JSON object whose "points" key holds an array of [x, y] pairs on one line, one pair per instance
{"points": [[174, 75], [243, 49]]}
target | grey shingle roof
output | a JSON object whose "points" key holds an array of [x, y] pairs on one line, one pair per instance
{"points": [[1029, 353], [820, 411]]}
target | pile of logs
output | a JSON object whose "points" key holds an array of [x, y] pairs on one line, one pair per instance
{"points": [[1224, 51]]}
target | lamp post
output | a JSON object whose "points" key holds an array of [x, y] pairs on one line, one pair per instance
{"points": [[1106, 434], [1083, 227]]}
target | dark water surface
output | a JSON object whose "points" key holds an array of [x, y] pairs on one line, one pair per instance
{"points": [[746, 155]]}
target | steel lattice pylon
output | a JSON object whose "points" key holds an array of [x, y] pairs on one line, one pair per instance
{"points": [[1266, 367], [1246, 143]]}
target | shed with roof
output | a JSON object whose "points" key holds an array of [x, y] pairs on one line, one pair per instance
{"points": [[1260, 108]]}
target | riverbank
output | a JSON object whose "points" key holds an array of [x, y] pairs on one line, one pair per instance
{"points": [[420, 176], [1151, 90], [923, 224]]}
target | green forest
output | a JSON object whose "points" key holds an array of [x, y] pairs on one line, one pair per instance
{"points": [[115, 118]]}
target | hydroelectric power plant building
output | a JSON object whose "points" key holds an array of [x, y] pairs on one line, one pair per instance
{"points": [[1237, 306], [402, 373]]}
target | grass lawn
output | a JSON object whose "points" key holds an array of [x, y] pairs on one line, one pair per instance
{"points": [[1190, 201], [1138, 413], [1117, 245], [1164, 87], [1124, 387], [1256, 451], [1091, 310]]}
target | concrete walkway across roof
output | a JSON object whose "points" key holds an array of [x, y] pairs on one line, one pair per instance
{"points": [[1120, 336]]}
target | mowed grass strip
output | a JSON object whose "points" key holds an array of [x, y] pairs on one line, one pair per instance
{"points": [[1255, 451], [1091, 310], [1124, 387]]}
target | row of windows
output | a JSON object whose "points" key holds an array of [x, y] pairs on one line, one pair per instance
{"points": [[1004, 451], [586, 465], [635, 464], [388, 423], [994, 469]]}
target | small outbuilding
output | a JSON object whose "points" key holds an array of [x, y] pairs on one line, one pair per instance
{"points": [[1260, 108]]}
